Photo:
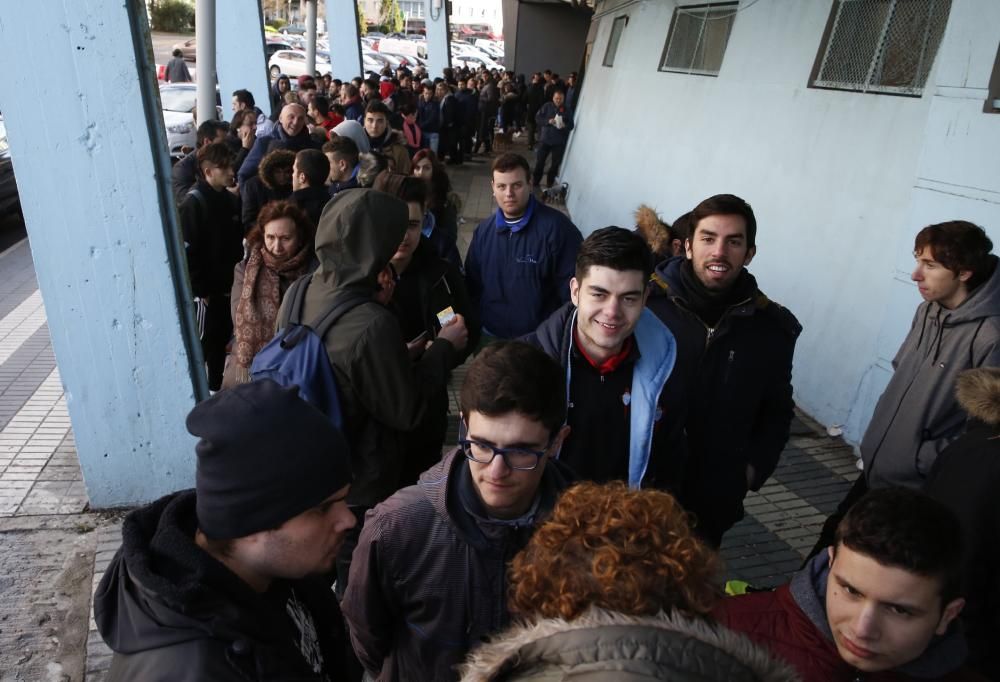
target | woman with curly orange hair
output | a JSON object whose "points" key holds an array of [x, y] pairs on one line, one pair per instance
{"points": [[614, 586]]}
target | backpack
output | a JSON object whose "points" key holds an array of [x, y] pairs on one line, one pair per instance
{"points": [[296, 355]]}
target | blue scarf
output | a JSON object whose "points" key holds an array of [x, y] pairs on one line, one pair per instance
{"points": [[427, 229], [503, 223]]}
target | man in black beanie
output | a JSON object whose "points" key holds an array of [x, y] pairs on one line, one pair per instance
{"points": [[221, 582]]}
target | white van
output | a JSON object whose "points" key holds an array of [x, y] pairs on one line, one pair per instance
{"points": [[409, 48]]}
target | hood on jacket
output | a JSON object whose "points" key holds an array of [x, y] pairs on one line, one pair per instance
{"points": [[978, 392], [983, 301], [635, 647], [161, 589], [652, 228], [945, 654], [358, 234], [356, 132], [269, 166]]}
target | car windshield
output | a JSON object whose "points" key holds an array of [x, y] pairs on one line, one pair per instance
{"points": [[178, 99]]}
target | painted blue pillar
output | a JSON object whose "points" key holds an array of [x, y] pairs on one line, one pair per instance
{"points": [[241, 59], [345, 44], [438, 40], [93, 174]]}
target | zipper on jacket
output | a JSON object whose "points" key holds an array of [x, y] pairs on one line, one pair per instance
{"points": [[729, 367]]}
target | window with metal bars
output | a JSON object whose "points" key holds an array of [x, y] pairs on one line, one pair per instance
{"points": [[881, 46], [697, 39], [616, 35]]}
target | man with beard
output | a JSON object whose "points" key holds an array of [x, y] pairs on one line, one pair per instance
{"points": [[221, 582], [741, 404], [383, 139]]}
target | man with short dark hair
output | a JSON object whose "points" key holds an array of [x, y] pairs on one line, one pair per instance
{"points": [[429, 117], [468, 113], [879, 604], [571, 91], [428, 578], [534, 98], [520, 259], [309, 174], [177, 70], [626, 414], [290, 133], [223, 582], [354, 108], [307, 92], [384, 140], [343, 156], [243, 100], [184, 174], [555, 120], [213, 243], [742, 343], [489, 103]]}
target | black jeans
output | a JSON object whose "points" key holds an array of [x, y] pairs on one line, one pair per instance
{"points": [[541, 155], [485, 134]]}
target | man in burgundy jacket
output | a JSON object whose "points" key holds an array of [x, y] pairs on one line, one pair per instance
{"points": [[880, 605]]}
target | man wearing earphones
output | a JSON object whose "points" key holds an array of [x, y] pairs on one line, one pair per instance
{"points": [[427, 579]]}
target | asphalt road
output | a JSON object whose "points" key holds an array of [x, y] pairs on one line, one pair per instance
{"points": [[163, 44]]}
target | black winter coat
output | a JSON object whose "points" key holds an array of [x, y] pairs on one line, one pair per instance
{"points": [[213, 239], [184, 175], [172, 613], [966, 478], [429, 578], [312, 200], [740, 408]]}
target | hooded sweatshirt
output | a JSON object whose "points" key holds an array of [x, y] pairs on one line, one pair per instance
{"points": [[382, 394], [171, 611], [918, 415], [792, 623]]}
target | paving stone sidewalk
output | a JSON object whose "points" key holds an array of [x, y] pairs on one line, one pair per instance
{"points": [[53, 551]]}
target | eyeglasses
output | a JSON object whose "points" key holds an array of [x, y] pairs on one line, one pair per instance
{"points": [[519, 459]]}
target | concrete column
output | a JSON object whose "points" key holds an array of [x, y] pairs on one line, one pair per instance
{"points": [[94, 178], [342, 32], [438, 39], [204, 31], [241, 57], [310, 37]]}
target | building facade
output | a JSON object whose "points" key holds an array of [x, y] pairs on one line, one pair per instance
{"points": [[847, 124]]}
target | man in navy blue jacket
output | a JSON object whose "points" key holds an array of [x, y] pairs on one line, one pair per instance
{"points": [[521, 259], [555, 120]]}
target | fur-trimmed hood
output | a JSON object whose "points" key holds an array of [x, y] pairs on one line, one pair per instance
{"points": [[978, 392], [636, 648], [652, 228]]}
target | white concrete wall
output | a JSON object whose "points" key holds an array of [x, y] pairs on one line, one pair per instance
{"points": [[840, 181]]}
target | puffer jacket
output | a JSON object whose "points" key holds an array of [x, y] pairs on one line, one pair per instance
{"points": [[603, 645], [791, 622], [392, 145], [917, 415], [966, 478], [172, 613], [429, 576], [383, 394]]}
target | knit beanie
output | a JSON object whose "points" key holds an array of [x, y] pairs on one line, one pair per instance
{"points": [[265, 456]]}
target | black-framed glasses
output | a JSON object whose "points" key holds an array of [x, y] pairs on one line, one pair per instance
{"points": [[519, 459]]}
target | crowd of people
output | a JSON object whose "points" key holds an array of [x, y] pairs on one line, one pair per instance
{"points": [[623, 394]]}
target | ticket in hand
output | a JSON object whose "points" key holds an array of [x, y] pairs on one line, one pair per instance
{"points": [[446, 316]]}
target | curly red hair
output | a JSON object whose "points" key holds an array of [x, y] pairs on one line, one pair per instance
{"points": [[630, 551]]}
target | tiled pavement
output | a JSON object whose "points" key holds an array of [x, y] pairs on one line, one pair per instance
{"points": [[40, 477]]}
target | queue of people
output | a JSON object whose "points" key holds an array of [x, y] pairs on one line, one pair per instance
{"points": [[623, 394]]}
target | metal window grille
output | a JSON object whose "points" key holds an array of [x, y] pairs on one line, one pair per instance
{"points": [[616, 35], [882, 45], [698, 37]]}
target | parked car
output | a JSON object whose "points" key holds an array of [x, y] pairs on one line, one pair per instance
{"points": [[292, 63], [178, 101], [402, 46], [9, 201], [272, 46], [296, 29], [188, 47]]}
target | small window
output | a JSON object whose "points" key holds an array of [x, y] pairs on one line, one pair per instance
{"points": [[616, 35], [882, 46], [697, 39]]}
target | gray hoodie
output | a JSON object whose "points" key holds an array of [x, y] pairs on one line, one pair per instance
{"points": [[918, 415]]}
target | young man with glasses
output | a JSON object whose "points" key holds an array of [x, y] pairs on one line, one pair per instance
{"points": [[428, 577]]}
